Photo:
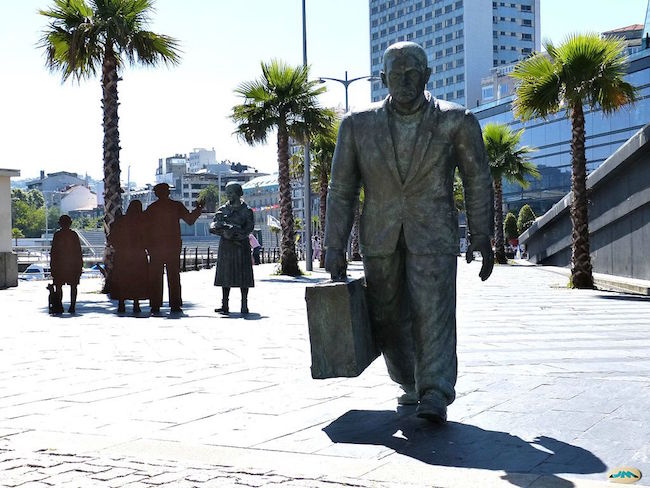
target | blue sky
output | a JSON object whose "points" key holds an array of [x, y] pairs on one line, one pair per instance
{"points": [[50, 126]]}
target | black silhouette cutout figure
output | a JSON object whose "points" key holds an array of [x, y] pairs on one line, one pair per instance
{"points": [[163, 241], [233, 222], [66, 261], [131, 272]]}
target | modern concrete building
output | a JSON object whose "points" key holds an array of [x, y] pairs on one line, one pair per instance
{"points": [[463, 39], [8, 260], [201, 158]]}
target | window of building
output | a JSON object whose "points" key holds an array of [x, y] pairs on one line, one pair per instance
{"points": [[418, 19], [458, 4], [449, 95], [449, 51], [428, 29], [526, 22], [460, 77], [409, 23], [438, 26], [448, 37], [449, 80], [460, 48], [409, 36], [460, 93], [438, 54], [526, 8], [459, 19], [448, 8], [429, 43], [418, 33], [526, 37], [438, 68], [459, 33], [437, 12], [438, 83], [449, 65], [449, 22], [428, 16], [460, 62], [400, 26]]}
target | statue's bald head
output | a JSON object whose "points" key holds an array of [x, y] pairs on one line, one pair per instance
{"points": [[406, 48]]}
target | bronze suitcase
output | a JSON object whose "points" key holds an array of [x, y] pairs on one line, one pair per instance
{"points": [[340, 333]]}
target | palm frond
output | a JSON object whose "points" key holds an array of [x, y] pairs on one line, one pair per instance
{"points": [[539, 90]]}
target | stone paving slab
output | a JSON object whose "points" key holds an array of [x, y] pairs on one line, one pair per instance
{"points": [[553, 391]]}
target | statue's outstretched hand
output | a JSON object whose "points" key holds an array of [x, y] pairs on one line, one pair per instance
{"points": [[483, 245], [336, 264]]}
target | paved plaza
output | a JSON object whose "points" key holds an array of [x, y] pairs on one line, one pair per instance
{"points": [[553, 391]]}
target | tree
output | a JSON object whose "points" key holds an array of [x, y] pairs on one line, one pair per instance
{"points": [[85, 36], [525, 219], [209, 198], [510, 226], [459, 195], [283, 99], [507, 160], [17, 234], [585, 69], [322, 151]]}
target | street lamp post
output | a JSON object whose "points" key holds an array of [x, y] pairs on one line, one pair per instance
{"points": [[346, 83], [306, 165]]}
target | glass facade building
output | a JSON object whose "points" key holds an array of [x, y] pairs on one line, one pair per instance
{"points": [[552, 138], [463, 42]]}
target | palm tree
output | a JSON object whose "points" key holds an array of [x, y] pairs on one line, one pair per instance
{"points": [[507, 160], [322, 151], [585, 69], [84, 36], [283, 99]]}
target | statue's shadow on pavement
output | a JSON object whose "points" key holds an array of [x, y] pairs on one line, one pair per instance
{"points": [[464, 446]]}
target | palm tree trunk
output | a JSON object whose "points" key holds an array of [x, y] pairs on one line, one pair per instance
{"points": [[112, 187], [581, 273], [288, 259], [499, 244], [323, 210]]}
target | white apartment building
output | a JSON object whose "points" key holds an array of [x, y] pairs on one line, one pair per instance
{"points": [[463, 39]]}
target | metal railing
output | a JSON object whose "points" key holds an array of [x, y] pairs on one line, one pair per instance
{"points": [[192, 257]]}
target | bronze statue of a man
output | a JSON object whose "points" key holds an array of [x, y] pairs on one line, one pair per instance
{"points": [[404, 152]]}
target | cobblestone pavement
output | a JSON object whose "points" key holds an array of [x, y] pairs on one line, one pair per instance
{"points": [[553, 391]]}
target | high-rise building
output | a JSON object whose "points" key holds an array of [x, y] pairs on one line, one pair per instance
{"points": [[463, 39]]}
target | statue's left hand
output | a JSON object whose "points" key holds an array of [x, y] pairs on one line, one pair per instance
{"points": [[483, 245]]}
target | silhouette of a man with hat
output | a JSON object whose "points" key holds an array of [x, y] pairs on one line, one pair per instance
{"points": [[164, 245]]}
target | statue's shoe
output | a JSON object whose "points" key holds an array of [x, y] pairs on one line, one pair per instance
{"points": [[222, 310], [433, 409], [409, 395]]}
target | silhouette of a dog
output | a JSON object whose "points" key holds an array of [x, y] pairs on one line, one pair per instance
{"points": [[54, 303]]}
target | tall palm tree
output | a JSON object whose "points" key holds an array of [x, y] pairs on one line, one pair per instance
{"points": [[84, 36], [283, 99], [322, 151], [585, 69], [507, 161]]}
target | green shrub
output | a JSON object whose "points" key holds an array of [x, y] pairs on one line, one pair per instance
{"points": [[526, 218], [510, 229]]}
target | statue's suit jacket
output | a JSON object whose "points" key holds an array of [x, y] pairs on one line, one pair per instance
{"points": [[449, 136]]}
